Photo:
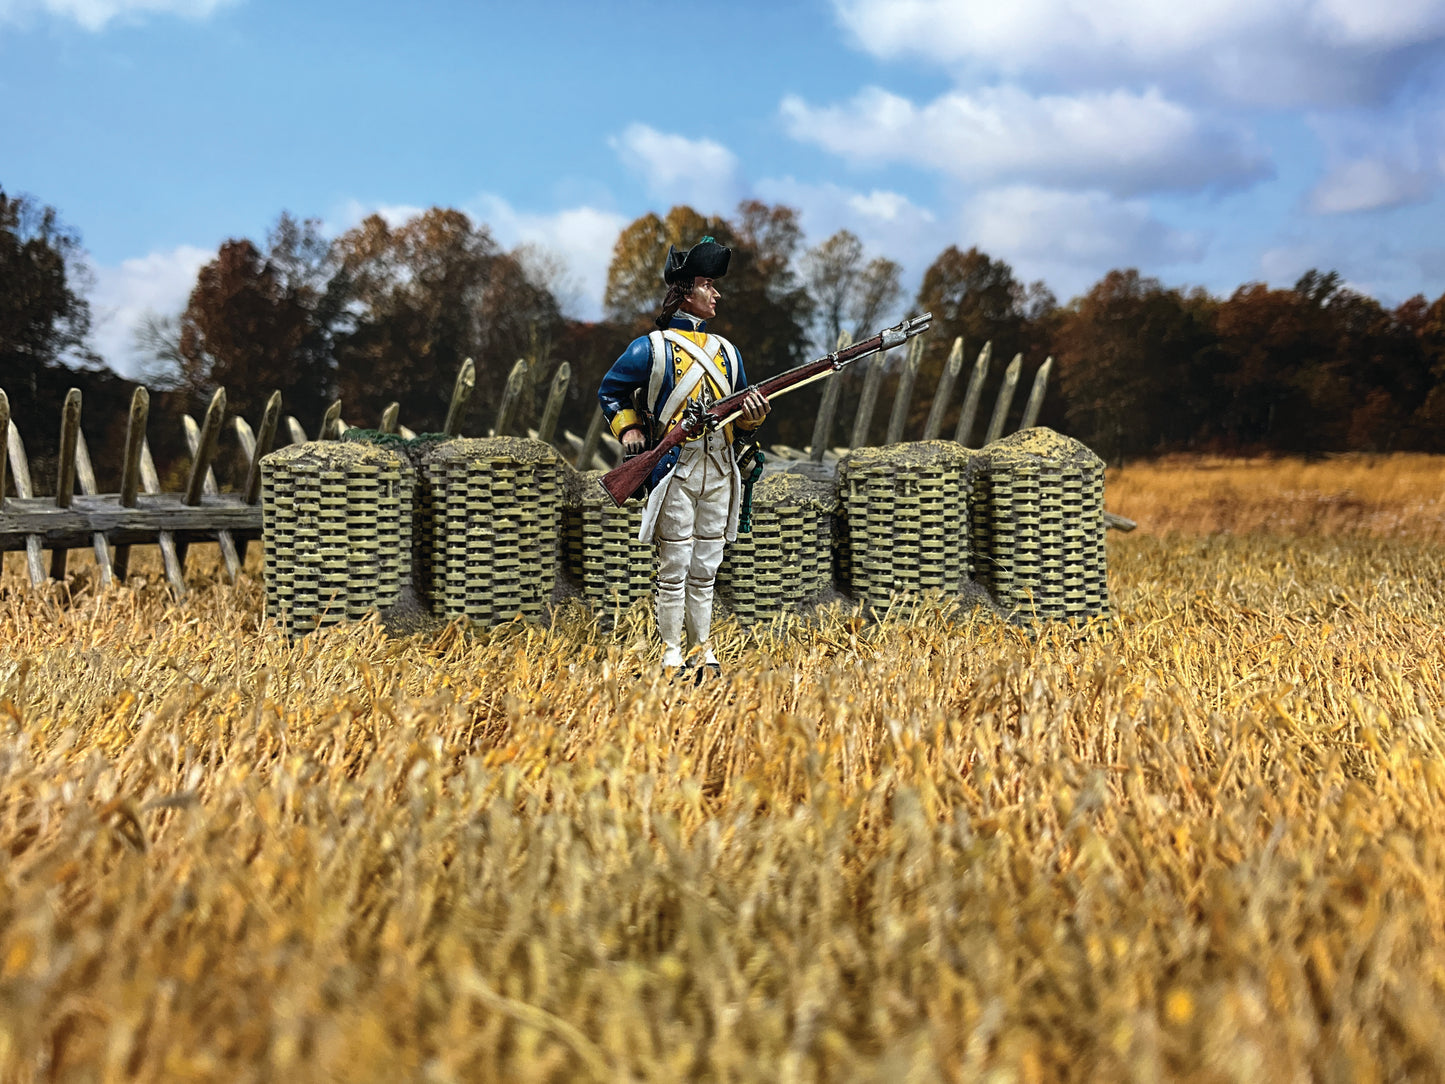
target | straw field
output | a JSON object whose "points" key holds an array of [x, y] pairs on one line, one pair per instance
{"points": [[1206, 843]]}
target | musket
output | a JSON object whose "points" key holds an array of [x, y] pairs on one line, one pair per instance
{"points": [[623, 481]]}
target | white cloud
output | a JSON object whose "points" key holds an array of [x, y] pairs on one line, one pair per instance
{"points": [[1070, 239], [676, 169], [579, 238], [96, 15], [1277, 52], [125, 294], [1369, 184], [887, 222], [1118, 140], [1377, 162]]}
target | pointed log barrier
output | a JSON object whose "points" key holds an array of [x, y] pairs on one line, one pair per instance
{"points": [[832, 390], [202, 453], [944, 392], [466, 383], [294, 430], [1036, 395], [1005, 399], [65, 470], [130, 468], [20, 469], [972, 396], [209, 488], [85, 475], [547, 427], [511, 397], [388, 418], [330, 423], [904, 396]]}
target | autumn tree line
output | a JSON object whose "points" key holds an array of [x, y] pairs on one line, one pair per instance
{"points": [[386, 313]]}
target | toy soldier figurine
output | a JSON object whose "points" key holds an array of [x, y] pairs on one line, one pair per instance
{"points": [[695, 490]]}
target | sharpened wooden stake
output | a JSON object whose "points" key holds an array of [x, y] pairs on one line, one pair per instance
{"points": [[135, 434], [547, 427], [466, 383], [828, 408], [294, 430], [904, 396], [511, 399], [261, 446], [405, 433], [85, 475], [944, 392], [389, 416], [972, 396], [1036, 395], [201, 457], [210, 489], [65, 470], [590, 442], [329, 421], [1005, 399], [20, 469], [872, 382], [173, 559]]}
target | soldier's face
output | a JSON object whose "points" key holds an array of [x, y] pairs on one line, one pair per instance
{"points": [[702, 302]]}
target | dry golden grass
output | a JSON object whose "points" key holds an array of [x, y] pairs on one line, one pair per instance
{"points": [[1206, 844]]}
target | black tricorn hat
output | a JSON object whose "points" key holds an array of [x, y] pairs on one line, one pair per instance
{"points": [[706, 259]]}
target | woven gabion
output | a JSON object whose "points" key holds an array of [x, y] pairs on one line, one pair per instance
{"points": [[600, 544], [336, 530], [905, 517], [496, 504], [1038, 526], [788, 555]]}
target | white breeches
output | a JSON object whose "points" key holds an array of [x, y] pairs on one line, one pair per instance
{"points": [[692, 526]]}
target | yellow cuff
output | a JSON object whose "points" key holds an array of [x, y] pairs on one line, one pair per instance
{"points": [[624, 419]]}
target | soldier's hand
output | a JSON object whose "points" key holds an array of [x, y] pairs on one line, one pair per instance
{"points": [[632, 441], [755, 405]]}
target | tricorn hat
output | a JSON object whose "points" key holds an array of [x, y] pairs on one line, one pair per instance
{"points": [[706, 259]]}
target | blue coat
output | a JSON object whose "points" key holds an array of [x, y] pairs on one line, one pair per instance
{"points": [[632, 371]]}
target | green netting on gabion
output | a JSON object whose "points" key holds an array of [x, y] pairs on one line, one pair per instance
{"points": [[788, 556], [904, 520], [600, 544], [423, 526], [336, 531], [494, 539], [1038, 526]]}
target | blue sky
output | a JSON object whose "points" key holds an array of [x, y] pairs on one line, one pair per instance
{"points": [[1209, 143]]}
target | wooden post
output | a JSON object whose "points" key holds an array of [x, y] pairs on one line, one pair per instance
{"points": [[904, 396], [389, 416], [201, 456], [135, 433], [832, 389], [466, 383], [871, 383], [210, 489], [591, 440], [260, 447], [1005, 399], [972, 396], [173, 557], [85, 474], [405, 433], [1036, 395], [511, 399], [944, 393], [294, 430], [329, 422], [547, 427], [20, 468], [65, 470]]}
